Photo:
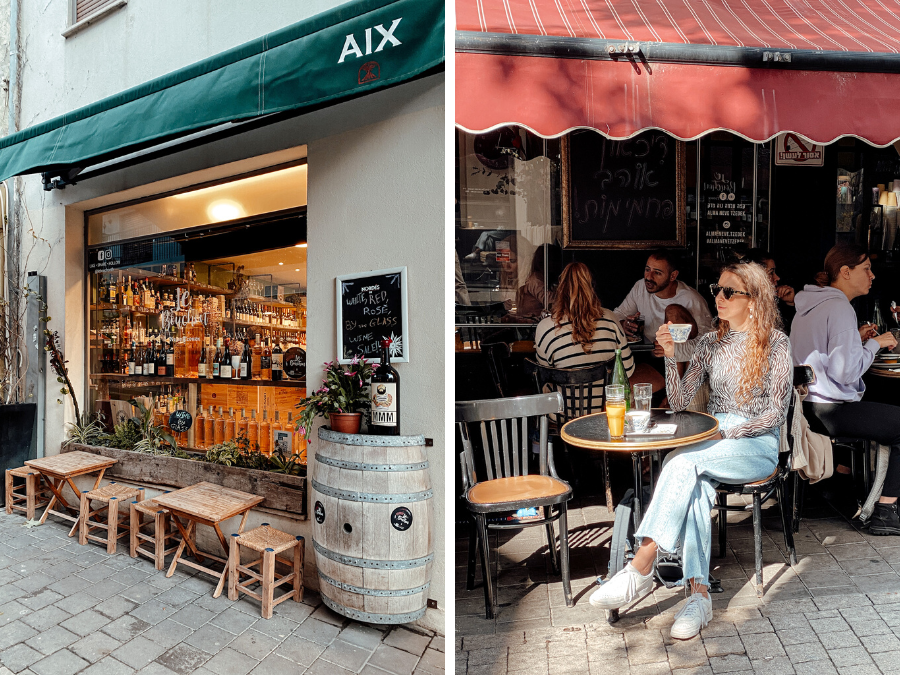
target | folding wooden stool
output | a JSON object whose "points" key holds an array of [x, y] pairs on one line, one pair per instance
{"points": [[36, 493], [111, 495], [163, 530], [269, 542]]}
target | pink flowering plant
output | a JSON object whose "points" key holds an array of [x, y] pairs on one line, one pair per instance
{"points": [[345, 389]]}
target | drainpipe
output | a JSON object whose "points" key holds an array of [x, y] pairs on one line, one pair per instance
{"points": [[12, 263]]}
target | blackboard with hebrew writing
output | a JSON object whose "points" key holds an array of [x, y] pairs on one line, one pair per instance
{"points": [[623, 194], [371, 307]]}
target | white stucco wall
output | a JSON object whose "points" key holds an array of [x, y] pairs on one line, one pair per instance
{"points": [[375, 188]]}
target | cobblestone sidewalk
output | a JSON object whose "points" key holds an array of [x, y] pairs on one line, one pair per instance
{"points": [[67, 609]]}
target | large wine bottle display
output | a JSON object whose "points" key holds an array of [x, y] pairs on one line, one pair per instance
{"points": [[384, 395]]}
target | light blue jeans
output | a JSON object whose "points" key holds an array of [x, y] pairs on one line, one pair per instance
{"points": [[678, 518]]}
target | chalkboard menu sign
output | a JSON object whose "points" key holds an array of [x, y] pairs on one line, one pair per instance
{"points": [[180, 420], [294, 363], [623, 194], [371, 306]]}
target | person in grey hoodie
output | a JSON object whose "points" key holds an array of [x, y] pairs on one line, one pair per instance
{"points": [[824, 334]]}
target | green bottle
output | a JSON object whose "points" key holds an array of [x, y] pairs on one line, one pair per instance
{"points": [[620, 377]]}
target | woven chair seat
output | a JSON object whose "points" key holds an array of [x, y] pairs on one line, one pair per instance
{"points": [[22, 471], [116, 490], [266, 536], [149, 507]]}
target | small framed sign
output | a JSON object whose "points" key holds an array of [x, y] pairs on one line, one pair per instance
{"points": [[283, 441], [371, 307], [180, 420]]}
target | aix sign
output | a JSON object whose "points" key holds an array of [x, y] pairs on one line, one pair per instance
{"points": [[385, 37]]}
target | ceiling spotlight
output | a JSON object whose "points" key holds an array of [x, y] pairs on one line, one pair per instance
{"points": [[224, 209], [281, 263], [297, 269], [303, 245]]}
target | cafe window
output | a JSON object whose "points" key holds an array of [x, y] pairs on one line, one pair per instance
{"points": [[197, 302]]}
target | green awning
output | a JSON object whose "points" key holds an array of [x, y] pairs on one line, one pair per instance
{"points": [[346, 52]]}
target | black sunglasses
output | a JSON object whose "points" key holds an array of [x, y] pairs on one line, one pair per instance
{"points": [[727, 291]]}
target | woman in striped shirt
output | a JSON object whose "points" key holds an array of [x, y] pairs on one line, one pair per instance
{"points": [[580, 332], [747, 362]]}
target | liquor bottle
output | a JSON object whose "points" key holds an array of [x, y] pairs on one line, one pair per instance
{"points": [[219, 430], [136, 295], [253, 432], [149, 360], [266, 362], [265, 436], [209, 425], [139, 361], [225, 363], [256, 359], [170, 358], [246, 358], [277, 362], [276, 426], [230, 426], [162, 367], [199, 436], [111, 290], [236, 355], [211, 355], [242, 423], [878, 318], [129, 295], [180, 355], [131, 360], [216, 359], [201, 365], [384, 393], [620, 377]]}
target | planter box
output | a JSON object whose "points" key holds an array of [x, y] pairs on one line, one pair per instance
{"points": [[281, 492]]}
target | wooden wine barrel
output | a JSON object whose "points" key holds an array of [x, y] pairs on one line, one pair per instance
{"points": [[372, 525]]}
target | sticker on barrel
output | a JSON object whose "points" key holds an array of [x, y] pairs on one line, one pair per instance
{"points": [[401, 518], [320, 512]]}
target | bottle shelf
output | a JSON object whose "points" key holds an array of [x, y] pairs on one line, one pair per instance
{"points": [[131, 309], [270, 326], [118, 377], [166, 280]]}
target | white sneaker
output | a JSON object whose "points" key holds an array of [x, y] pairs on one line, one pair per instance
{"points": [[695, 614], [624, 588]]}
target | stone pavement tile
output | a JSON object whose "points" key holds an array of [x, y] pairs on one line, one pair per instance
{"points": [[177, 597], [862, 566], [275, 665], [320, 667], [437, 642], [368, 637], [754, 626], [556, 650], [40, 600], [839, 639], [15, 632], [192, 616], [295, 611], [890, 615], [254, 644], [887, 662], [807, 651], [51, 640], [408, 641], [108, 666], [209, 638], [480, 657], [140, 593], [849, 656], [138, 652], [687, 654], [230, 662], [702, 670], [322, 613], [62, 662], [96, 573], [661, 668], [302, 651], [650, 653], [125, 627], [19, 657], [398, 661], [85, 623], [852, 551], [167, 633], [234, 621], [115, 607], [864, 669], [868, 626], [761, 645], [828, 625], [723, 646], [796, 636], [884, 597], [568, 664], [637, 637], [841, 600], [317, 631], [183, 659], [881, 643], [33, 582], [279, 627], [95, 646], [371, 670], [788, 621], [432, 661], [730, 664], [865, 612], [106, 589], [76, 603], [716, 629], [877, 583], [70, 585], [153, 611], [346, 655], [775, 665]]}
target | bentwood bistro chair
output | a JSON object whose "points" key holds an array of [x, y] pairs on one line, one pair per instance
{"points": [[504, 429]]}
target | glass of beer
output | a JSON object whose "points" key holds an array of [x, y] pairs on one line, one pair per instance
{"points": [[615, 410]]}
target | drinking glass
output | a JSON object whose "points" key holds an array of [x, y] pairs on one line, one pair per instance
{"points": [[615, 410], [896, 333], [642, 395]]}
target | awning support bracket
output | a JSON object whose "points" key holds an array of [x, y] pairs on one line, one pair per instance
{"points": [[60, 178]]}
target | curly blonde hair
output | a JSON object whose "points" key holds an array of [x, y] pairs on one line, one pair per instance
{"points": [[577, 302], [764, 318]]}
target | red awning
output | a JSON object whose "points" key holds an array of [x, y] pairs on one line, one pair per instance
{"points": [[554, 90]]}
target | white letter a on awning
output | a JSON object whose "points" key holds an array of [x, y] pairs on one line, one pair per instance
{"points": [[350, 47]]}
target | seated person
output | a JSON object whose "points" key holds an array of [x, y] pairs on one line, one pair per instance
{"points": [[747, 362], [785, 294], [825, 335], [580, 332], [531, 298], [658, 290]]}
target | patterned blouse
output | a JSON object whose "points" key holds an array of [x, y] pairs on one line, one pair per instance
{"points": [[721, 363]]}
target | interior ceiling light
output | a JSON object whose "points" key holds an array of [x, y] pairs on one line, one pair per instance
{"points": [[297, 269], [303, 245], [224, 209], [281, 263]]}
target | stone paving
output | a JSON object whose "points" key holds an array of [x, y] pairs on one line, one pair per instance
{"points": [[836, 611], [67, 609]]}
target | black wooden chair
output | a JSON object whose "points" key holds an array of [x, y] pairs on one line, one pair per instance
{"points": [[776, 484], [504, 428], [582, 390], [477, 315]]}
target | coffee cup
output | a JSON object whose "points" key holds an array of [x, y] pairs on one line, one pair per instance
{"points": [[637, 420], [680, 331]]}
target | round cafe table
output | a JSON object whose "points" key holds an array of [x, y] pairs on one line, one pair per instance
{"points": [[881, 371]]}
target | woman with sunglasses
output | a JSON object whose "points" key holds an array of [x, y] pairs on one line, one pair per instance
{"points": [[825, 336], [747, 362]]}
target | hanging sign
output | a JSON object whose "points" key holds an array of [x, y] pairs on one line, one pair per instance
{"points": [[791, 150], [294, 363], [180, 420], [371, 307]]}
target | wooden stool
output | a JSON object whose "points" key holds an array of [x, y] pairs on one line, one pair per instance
{"points": [[36, 492], [110, 495], [269, 542], [163, 530]]}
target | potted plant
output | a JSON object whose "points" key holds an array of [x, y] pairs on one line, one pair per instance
{"points": [[342, 398]]}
